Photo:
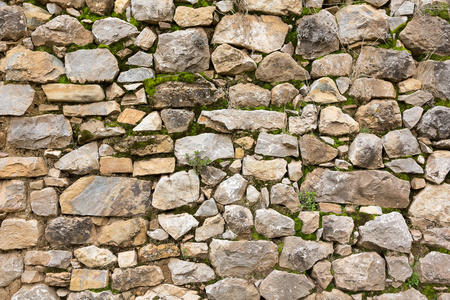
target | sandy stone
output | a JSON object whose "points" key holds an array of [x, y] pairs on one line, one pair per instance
{"points": [[269, 170], [93, 109], [131, 116], [332, 65], [73, 93], [125, 233], [110, 165], [19, 234], [13, 196], [51, 259], [248, 95], [151, 252], [379, 115], [430, 205], [365, 89], [44, 202], [336, 123], [83, 279], [125, 279], [153, 166], [94, 257], [279, 67], [228, 60], [192, 17]]}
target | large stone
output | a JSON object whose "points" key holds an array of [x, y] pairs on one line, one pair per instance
{"points": [[13, 196], [426, 34], [192, 17], [228, 60], [365, 89], [279, 145], [332, 65], [379, 115], [123, 233], [337, 228], [317, 35], [380, 188], [177, 225], [13, 23], [145, 145], [15, 99], [282, 285], [19, 234], [314, 151], [324, 91], [61, 31], [81, 161], [307, 122], [366, 151], [279, 67], [248, 95], [177, 120], [106, 196], [335, 123], [51, 259], [301, 255], [360, 272], [232, 288], [35, 292], [362, 23], [272, 224], [400, 143], [398, 267], [227, 120], [433, 268], [433, 76], [84, 279], [69, 231], [179, 189], [392, 65], [96, 65], [94, 257], [285, 195], [73, 93], [125, 279], [430, 207], [153, 11], [12, 167], [209, 146], [11, 268], [405, 165], [438, 166], [435, 123], [184, 272], [112, 30], [231, 190], [242, 258], [182, 51], [237, 30], [270, 170]]}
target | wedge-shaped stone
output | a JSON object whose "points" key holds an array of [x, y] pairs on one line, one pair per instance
{"points": [[278, 145], [279, 67], [84, 279], [81, 161], [106, 197], [365, 89], [93, 109], [314, 151], [177, 225], [435, 123], [438, 166], [35, 15], [228, 60], [19, 234], [271, 170], [47, 131], [248, 95], [73, 93], [433, 268], [15, 99], [231, 190], [13, 196], [96, 65], [125, 279], [227, 120], [70, 231], [324, 91], [192, 17], [238, 30], [380, 187], [430, 207], [13, 167], [112, 30], [184, 272], [285, 286], [242, 258], [399, 143]]}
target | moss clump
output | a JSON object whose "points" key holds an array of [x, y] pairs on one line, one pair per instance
{"points": [[85, 135], [151, 83], [64, 80], [437, 9]]}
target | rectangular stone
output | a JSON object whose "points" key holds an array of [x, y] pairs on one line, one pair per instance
{"points": [[13, 167], [154, 166], [110, 165], [12, 196], [74, 93], [84, 279], [93, 109]]}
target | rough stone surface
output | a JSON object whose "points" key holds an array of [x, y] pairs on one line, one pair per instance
{"points": [[212, 227], [231, 190], [271, 223], [405, 165], [281, 145], [398, 267], [183, 272], [433, 268], [97, 65], [35, 292], [191, 17], [379, 115], [285, 286], [177, 120], [13, 23], [82, 161], [324, 91], [332, 65], [365, 89], [83, 279], [177, 225], [11, 268], [228, 60], [232, 288], [248, 95], [94, 257], [153, 11], [44, 202], [13, 196], [337, 228], [271, 170], [152, 252], [15, 99], [321, 273], [432, 75], [435, 123], [417, 98], [314, 151], [12, 167], [334, 122], [145, 145], [278, 67], [366, 151], [438, 166], [19, 234], [72, 231], [285, 195], [125, 233], [307, 122], [73, 93], [112, 30], [400, 143], [430, 205]]}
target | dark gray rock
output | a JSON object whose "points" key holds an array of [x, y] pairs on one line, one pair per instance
{"points": [[72, 231]]}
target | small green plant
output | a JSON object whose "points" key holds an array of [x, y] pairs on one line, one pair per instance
{"points": [[185, 254], [413, 281], [197, 162], [364, 130], [308, 201]]}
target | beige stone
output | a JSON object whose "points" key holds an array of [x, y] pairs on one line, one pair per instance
{"points": [[124, 233], [409, 85], [191, 17], [131, 116], [75, 93], [154, 166], [19, 234], [264, 169], [83, 279], [110, 165]]}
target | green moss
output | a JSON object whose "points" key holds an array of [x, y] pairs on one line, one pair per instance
{"points": [[74, 47], [437, 9], [310, 11], [85, 135], [175, 28], [151, 83], [256, 236], [429, 291], [440, 102], [399, 28], [45, 49], [64, 80]]}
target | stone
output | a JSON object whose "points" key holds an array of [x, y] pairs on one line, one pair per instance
{"points": [[83, 279], [153, 11], [94, 257], [212, 176], [73, 93], [365, 89], [100, 7], [46, 131], [239, 219], [242, 258], [231, 190], [295, 170], [91, 295], [151, 252], [177, 225], [177, 120], [19, 234], [51, 259], [409, 85], [154, 166], [433, 268], [277, 7], [418, 183], [106, 196], [228, 60], [310, 221], [317, 35], [398, 267], [307, 122], [411, 293], [285, 286], [81, 161], [227, 120], [285, 195], [429, 207], [212, 227], [332, 65], [58, 279], [283, 94], [158, 234], [145, 39], [418, 98], [179, 189], [192, 17], [337, 228], [236, 30], [272, 224], [388, 64], [343, 83], [412, 116], [126, 279], [400, 143], [232, 288], [379, 115], [135, 75], [94, 130], [72, 231], [182, 51], [13, 23], [15, 99], [29, 276], [207, 209], [267, 170], [130, 116], [314, 151], [13, 196], [21, 64], [35, 292], [95, 65], [195, 250], [361, 23], [127, 259], [248, 95], [183, 272], [63, 30], [112, 30], [279, 67], [335, 123], [44, 202], [152, 122], [324, 91], [380, 188], [432, 75], [141, 59], [321, 273], [406, 165], [110, 165], [280, 145], [12, 167], [125, 233], [366, 151], [301, 255], [145, 145], [169, 291], [437, 237], [435, 123], [360, 272], [11, 268]]}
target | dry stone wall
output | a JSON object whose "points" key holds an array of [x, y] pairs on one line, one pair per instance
{"points": [[244, 149]]}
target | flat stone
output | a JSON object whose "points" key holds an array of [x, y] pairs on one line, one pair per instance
{"points": [[169, 290], [153, 11], [96, 65], [335, 123], [379, 115], [177, 225], [437, 237], [398, 267], [15, 99], [432, 74], [151, 252], [411, 294], [112, 30], [44, 202], [212, 227], [381, 188], [366, 151], [310, 221], [435, 123], [154, 166], [307, 122], [406, 165], [429, 207], [337, 228], [314, 151], [285, 286], [228, 60], [51, 259], [130, 116], [13, 196], [94, 257], [35, 292], [267, 170], [152, 122], [94, 130], [332, 65], [181, 94], [212, 176], [19, 234], [93, 109], [232, 288], [438, 166], [125, 279], [272, 224], [433, 268], [231, 190], [177, 120], [13, 22], [145, 145], [412, 116], [183, 272], [72, 231], [248, 95], [83, 279], [124, 233], [12, 167], [192, 17], [365, 89], [81, 161], [417, 98], [110, 165], [73, 93], [279, 145], [11, 267], [135, 75], [141, 59], [279, 67], [400, 143], [127, 259]]}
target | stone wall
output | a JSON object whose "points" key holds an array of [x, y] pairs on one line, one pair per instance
{"points": [[246, 149]]}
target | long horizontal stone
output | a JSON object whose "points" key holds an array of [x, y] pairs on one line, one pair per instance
{"points": [[75, 93], [93, 109], [359, 187], [227, 120], [106, 196], [13, 167]]}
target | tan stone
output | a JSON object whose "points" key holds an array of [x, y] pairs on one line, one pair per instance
{"points": [[330, 208], [131, 116], [19, 234], [83, 279], [154, 166], [409, 85], [123, 233], [12, 167], [264, 169], [109, 165], [191, 17], [152, 252], [56, 92]]}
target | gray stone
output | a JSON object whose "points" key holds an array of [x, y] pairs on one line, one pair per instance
{"points": [[379, 115], [366, 151], [231, 190], [430, 205], [168, 290], [11, 268], [285, 286], [96, 65], [433, 268], [94, 257], [321, 273], [228, 60], [141, 59], [410, 294], [177, 225], [19, 234], [232, 288], [285, 195], [192, 17], [272, 224], [314, 151], [73, 93], [438, 166], [279, 145], [283, 94], [279, 67], [135, 75], [417, 98], [126, 279], [400, 143], [398, 267], [153, 11], [51, 259], [239, 219], [337, 228], [435, 123], [332, 65], [406, 165], [35, 292], [13, 23], [44, 202], [412, 116], [15, 99], [365, 89], [112, 30], [336, 123], [307, 122], [96, 130], [212, 176], [310, 221], [324, 91], [72, 231], [81, 161], [183, 272], [433, 76], [437, 237], [248, 95], [13, 196], [177, 120], [212, 227], [12, 167]]}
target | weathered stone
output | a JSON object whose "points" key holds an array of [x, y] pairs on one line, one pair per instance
{"points": [[207, 209], [283, 94], [272, 224], [135, 75], [124, 233], [317, 35], [295, 170], [73, 93], [35, 292], [379, 115], [13, 23], [418, 98], [212, 176], [411, 294], [61, 31], [248, 95], [106, 196], [72, 231], [406, 165], [242, 258], [100, 7], [84, 279], [145, 39], [398, 267], [360, 272], [237, 30], [437, 237], [366, 151], [44, 202], [15, 99], [276, 145], [12, 167], [285, 286], [231, 190], [380, 188], [270, 170], [125, 279], [110, 165], [127, 259], [227, 120], [310, 221], [195, 250], [430, 205], [177, 120], [94, 130], [153, 11], [409, 85], [435, 123], [141, 59], [278, 67], [332, 65], [362, 23], [337, 228], [301, 255], [152, 252], [183, 272], [307, 122], [13, 196], [51, 259], [321, 273], [365, 89], [285, 195], [432, 75], [11, 268], [19, 234], [277, 7], [232, 288], [94, 257], [433, 268], [239, 219], [112, 30], [192, 17], [335, 123], [168, 290], [324, 91], [145, 145], [400, 143], [212, 227], [152, 122], [314, 151], [81, 161], [96, 65], [392, 65], [130, 116], [154, 166], [228, 60], [412, 116], [177, 225]]}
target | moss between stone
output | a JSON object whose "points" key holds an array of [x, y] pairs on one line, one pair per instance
{"points": [[151, 83]]}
